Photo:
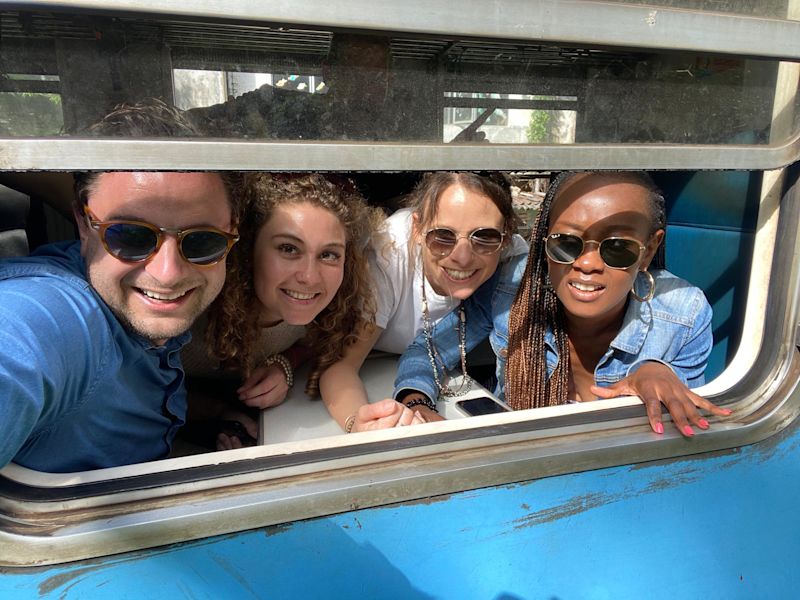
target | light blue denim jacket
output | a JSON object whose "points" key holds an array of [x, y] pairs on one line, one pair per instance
{"points": [[673, 328]]}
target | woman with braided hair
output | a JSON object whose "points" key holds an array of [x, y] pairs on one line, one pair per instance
{"points": [[590, 319]]}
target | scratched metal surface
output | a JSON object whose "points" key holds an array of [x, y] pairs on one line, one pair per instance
{"points": [[712, 526]]}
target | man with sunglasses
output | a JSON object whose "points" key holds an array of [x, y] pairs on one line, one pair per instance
{"points": [[90, 371]]}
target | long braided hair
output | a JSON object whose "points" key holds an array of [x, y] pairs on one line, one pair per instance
{"points": [[233, 328], [536, 308]]}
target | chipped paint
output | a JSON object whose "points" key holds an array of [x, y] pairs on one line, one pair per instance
{"points": [[430, 500], [71, 574], [571, 508], [614, 519], [235, 574], [63, 579]]}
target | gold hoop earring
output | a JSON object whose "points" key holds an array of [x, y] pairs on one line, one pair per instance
{"points": [[651, 292]]}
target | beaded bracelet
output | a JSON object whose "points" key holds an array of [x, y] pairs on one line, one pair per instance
{"points": [[285, 366], [424, 401], [349, 422]]}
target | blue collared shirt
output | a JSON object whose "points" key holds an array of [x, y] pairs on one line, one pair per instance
{"points": [[673, 328], [79, 391]]}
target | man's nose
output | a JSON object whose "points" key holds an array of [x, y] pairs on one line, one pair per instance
{"points": [[167, 265]]}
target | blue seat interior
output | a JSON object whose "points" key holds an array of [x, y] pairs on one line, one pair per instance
{"points": [[711, 222], [14, 211]]}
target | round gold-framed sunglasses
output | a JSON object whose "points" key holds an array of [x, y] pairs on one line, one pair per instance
{"points": [[137, 241], [441, 241], [616, 252]]}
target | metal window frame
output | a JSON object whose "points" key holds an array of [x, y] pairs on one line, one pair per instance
{"points": [[102, 154], [563, 21], [51, 518], [558, 21], [176, 501]]}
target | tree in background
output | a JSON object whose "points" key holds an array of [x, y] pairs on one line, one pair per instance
{"points": [[538, 126]]}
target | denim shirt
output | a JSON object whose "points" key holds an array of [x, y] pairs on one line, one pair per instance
{"points": [[78, 390], [486, 314], [673, 328]]}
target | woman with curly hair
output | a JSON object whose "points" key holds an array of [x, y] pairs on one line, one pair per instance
{"points": [[298, 279], [591, 317]]}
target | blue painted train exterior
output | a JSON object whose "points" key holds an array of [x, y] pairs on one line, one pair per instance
{"points": [[598, 506], [722, 525]]}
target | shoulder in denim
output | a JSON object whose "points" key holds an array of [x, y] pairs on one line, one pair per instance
{"points": [[676, 303]]}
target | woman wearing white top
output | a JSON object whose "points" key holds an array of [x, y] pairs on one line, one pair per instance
{"points": [[436, 253]]}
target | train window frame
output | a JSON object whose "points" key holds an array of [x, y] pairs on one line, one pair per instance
{"points": [[64, 517]]}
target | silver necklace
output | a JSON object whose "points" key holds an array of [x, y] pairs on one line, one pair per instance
{"points": [[433, 355]]}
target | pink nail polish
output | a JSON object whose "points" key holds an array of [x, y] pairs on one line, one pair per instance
{"points": [[659, 428], [727, 411], [688, 431], [703, 424]]}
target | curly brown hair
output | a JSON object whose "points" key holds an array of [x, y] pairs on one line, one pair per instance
{"points": [[536, 308], [233, 327]]}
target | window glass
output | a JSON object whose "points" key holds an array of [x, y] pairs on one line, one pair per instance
{"points": [[30, 113], [268, 82]]}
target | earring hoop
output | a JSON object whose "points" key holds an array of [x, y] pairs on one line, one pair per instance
{"points": [[651, 284]]}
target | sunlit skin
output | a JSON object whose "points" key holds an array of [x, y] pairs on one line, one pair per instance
{"points": [[161, 297], [462, 272], [298, 263], [593, 295], [298, 266]]}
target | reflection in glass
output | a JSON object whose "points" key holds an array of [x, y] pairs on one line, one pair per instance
{"points": [[30, 114], [265, 82], [525, 118]]}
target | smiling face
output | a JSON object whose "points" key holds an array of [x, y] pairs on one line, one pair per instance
{"points": [[298, 263], [162, 296], [463, 271], [596, 207]]}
